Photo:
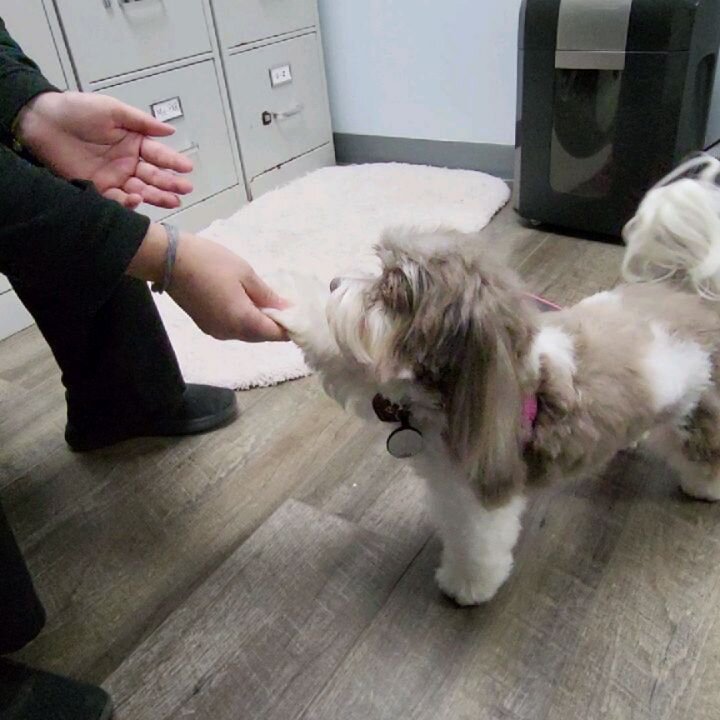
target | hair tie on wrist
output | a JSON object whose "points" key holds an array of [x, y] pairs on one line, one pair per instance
{"points": [[173, 237]]}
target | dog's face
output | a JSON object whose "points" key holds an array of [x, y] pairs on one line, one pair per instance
{"points": [[403, 323], [456, 331]]}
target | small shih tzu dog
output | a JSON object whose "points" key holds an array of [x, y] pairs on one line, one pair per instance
{"points": [[490, 397]]}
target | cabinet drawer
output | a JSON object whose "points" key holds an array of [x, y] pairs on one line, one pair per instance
{"points": [[281, 122], [112, 37], [29, 26], [201, 131], [243, 22], [320, 157]]}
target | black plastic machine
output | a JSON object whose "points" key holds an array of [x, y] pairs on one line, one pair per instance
{"points": [[611, 95]]}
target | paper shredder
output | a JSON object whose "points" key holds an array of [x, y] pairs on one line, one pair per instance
{"points": [[611, 95]]}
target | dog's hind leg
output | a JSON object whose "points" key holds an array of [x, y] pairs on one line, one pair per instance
{"points": [[700, 474], [693, 449], [477, 543]]}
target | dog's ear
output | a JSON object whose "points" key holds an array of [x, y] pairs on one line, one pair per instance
{"points": [[395, 290], [484, 397], [394, 293]]}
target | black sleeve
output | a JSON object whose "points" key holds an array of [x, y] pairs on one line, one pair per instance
{"points": [[63, 238], [60, 237], [20, 82]]}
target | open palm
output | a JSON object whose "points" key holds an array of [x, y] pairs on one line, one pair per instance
{"points": [[100, 139]]}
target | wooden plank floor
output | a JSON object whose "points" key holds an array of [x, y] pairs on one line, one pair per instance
{"points": [[282, 567]]}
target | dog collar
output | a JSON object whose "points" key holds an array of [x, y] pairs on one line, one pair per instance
{"points": [[405, 441]]}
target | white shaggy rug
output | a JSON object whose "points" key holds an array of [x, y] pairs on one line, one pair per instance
{"points": [[321, 225]]}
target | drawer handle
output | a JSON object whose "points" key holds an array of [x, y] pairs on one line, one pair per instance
{"points": [[126, 3], [107, 4], [190, 149], [288, 113]]}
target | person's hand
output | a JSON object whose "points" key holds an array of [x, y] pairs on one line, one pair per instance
{"points": [[83, 136], [222, 293], [215, 287]]}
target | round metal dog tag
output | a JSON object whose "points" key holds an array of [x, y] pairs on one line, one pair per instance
{"points": [[405, 442]]}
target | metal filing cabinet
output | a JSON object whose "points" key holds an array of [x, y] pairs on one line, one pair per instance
{"points": [[240, 23], [109, 38], [162, 56], [34, 25], [282, 118], [190, 99], [278, 90]]}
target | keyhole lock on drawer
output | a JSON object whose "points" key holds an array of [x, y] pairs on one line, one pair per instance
{"points": [[267, 117]]}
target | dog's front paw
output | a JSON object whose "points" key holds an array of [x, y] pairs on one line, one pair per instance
{"points": [[304, 317], [471, 587]]}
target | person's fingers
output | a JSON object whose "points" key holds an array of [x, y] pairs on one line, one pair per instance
{"points": [[254, 326], [128, 200], [163, 179], [261, 293], [155, 153], [131, 118], [133, 201], [152, 195], [117, 195]]}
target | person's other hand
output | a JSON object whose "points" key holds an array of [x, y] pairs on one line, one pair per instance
{"points": [[216, 288], [83, 136]]}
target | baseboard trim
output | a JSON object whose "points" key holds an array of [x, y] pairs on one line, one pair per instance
{"points": [[493, 159]]}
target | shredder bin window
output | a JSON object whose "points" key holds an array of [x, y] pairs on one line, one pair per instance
{"points": [[585, 109]]}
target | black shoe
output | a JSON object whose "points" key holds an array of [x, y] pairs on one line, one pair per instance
{"points": [[27, 694], [203, 408]]}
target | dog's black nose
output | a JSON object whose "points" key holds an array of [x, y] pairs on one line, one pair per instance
{"points": [[334, 284]]}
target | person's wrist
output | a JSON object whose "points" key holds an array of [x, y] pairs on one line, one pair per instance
{"points": [[31, 121], [149, 261]]}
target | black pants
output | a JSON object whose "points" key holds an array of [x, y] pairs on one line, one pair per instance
{"points": [[116, 362]]}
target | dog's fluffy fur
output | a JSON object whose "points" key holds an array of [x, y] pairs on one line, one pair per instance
{"points": [[454, 337]]}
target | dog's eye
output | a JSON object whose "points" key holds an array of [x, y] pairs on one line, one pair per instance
{"points": [[335, 284]]}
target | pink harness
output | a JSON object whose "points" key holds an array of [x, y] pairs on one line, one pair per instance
{"points": [[530, 403], [529, 416]]}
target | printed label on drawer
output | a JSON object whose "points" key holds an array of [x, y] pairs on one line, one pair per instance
{"points": [[167, 109], [280, 75]]}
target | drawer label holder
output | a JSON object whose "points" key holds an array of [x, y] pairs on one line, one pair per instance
{"points": [[165, 110], [280, 75]]}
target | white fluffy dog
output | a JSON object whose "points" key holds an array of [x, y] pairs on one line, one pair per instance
{"points": [[491, 397]]}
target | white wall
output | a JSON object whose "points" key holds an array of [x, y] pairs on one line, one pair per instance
{"points": [[432, 69]]}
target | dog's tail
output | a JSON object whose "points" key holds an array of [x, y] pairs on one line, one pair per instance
{"points": [[675, 234]]}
